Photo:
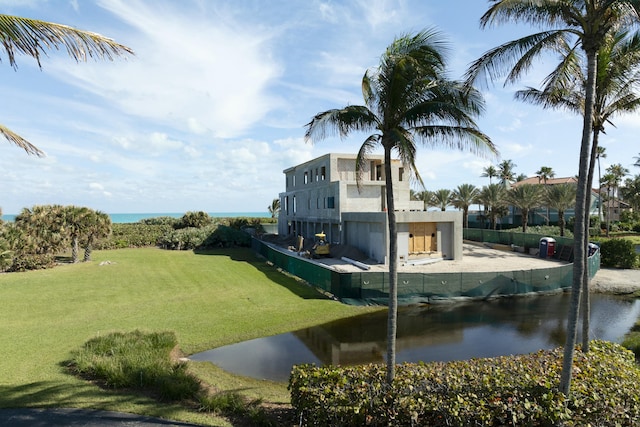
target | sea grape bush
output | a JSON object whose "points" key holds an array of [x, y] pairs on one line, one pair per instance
{"points": [[514, 390], [618, 253]]}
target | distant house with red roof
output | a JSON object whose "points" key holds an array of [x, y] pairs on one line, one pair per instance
{"points": [[539, 216]]}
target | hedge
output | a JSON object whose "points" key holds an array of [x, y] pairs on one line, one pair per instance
{"points": [[512, 390]]}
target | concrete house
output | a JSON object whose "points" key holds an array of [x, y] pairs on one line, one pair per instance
{"points": [[322, 195]]}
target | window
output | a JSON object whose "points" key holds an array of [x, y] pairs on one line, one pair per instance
{"points": [[294, 204], [401, 174], [293, 183], [306, 177], [286, 205], [331, 203], [322, 173]]}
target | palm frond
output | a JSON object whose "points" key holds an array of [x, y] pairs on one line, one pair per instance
{"points": [[34, 38], [468, 139], [20, 141], [340, 122], [367, 147], [514, 58]]}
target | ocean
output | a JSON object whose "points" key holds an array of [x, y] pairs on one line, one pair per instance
{"points": [[122, 218]]}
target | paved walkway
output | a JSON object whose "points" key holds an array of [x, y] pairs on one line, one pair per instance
{"points": [[26, 417]]}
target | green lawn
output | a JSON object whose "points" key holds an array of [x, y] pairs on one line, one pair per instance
{"points": [[209, 300]]}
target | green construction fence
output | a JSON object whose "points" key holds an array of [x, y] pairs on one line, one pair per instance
{"points": [[414, 288]]}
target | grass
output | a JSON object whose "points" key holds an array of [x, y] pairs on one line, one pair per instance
{"points": [[208, 300]]}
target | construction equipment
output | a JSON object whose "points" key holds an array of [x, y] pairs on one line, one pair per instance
{"points": [[321, 247]]}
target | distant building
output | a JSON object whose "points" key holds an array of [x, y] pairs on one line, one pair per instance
{"points": [[323, 195], [539, 216]]}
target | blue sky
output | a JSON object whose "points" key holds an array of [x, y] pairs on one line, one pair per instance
{"points": [[212, 107]]}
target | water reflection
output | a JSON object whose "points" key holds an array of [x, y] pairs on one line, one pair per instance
{"points": [[432, 333]]}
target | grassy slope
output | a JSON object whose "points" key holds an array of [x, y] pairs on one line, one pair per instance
{"points": [[208, 300]]}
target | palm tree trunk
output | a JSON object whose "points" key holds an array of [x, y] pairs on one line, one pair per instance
{"points": [[579, 242], [74, 249], [392, 319], [525, 220], [88, 249], [585, 305], [561, 221]]}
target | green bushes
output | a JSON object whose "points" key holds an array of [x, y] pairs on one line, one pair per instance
{"points": [[515, 390], [134, 235], [137, 360], [142, 361], [185, 238], [618, 253]]}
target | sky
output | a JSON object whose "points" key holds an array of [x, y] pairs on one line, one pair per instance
{"points": [[213, 105]]}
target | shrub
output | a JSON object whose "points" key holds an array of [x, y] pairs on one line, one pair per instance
{"points": [[137, 360], [134, 235], [226, 237], [514, 390], [618, 253], [160, 220], [198, 219], [185, 238]]}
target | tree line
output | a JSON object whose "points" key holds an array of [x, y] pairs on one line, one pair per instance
{"points": [[40, 234], [508, 190], [495, 200]]}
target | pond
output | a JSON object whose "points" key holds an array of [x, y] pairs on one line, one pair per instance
{"points": [[428, 333]]}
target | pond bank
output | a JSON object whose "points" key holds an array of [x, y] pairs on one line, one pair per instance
{"points": [[616, 281]]}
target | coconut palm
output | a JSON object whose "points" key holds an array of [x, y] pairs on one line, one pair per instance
{"points": [[637, 162], [492, 197], [489, 172], [544, 174], [614, 176], [617, 77], [560, 197], [506, 172], [274, 208], [583, 23], [631, 192], [463, 197], [34, 38], [609, 182], [408, 99], [525, 197], [600, 154]]}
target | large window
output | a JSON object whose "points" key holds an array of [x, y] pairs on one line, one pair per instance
{"points": [[331, 204]]}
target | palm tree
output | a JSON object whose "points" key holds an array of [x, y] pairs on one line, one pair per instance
{"points": [[407, 100], [544, 174], [442, 198], [615, 173], [98, 224], [608, 181], [506, 172], [587, 23], [463, 197], [34, 38], [617, 77], [426, 197], [525, 197], [490, 171], [274, 209], [637, 162], [600, 154], [75, 224], [560, 197], [631, 192], [492, 197]]}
